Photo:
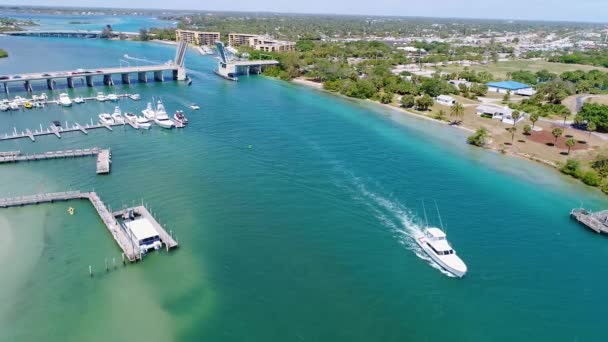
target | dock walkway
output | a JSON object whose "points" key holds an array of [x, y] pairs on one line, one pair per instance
{"points": [[130, 250]]}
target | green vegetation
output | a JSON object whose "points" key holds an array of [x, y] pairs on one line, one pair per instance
{"points": [[596, 116], [3, 53], [479, 138], [596, 58], [11, 24], [504, 70]]}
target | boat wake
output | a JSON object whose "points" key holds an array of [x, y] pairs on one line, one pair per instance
{"points": [[141, 59], [398, 218]]}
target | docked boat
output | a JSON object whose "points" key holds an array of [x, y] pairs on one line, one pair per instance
{"points": [[134, 97], [28, 105], [434, 243], [79, 100], [106, 119], [149, 112], [113, 97], [132, 118], [4, 107], [180, 118], [143, 122], [195, 107], [101, 97], [64, 100], [19, 100], [38, 105], [596, 221], [13, 105], [161, 118], [117, 116]]}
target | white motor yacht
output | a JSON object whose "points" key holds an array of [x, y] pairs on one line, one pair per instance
{"points": [[101, 97], [149, 112], [79, 100], [117, 116], [106, 119], [195, 107], [434, 243], [113, 97], [161, 118], [143, 122], [64, 100], [134, 97]]}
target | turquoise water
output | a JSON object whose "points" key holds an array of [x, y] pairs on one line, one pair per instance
{"points": [[91, 22], [294, 210]]}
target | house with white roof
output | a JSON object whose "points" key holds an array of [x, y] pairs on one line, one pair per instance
{"points": [[446, 100], [504, 114]]}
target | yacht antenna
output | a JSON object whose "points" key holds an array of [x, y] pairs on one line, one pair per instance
{"points": [[438, 214], [426, 220]]}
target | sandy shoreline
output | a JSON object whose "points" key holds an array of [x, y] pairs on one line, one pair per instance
{"points": [[319, 86]]}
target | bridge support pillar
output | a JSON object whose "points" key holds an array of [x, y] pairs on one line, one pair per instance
{"points": [[28, 86], [107, 80], [158, 76], [89, 80], [70, 82], [179, 74], [125, 78], [50, 83], [6, 87], [142, 77]]}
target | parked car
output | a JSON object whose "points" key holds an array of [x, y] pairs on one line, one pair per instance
{"points": [[46, 75], [16, 77], [4, 77]]}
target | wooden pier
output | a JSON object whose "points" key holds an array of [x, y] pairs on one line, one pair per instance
{"points": [[57, 131], [104, 157], [129, 249]]}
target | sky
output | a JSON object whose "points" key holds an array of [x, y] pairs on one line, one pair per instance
{"points": [[567, 10]]}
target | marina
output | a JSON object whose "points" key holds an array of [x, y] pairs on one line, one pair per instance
{"points": [[119, 232]]}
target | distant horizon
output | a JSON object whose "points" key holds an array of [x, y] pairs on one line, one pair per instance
{"points": [[189, 8]]}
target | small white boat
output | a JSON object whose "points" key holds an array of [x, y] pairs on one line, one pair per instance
{"points": [[117, 116], [42, 97], [434, 243], [19, 100], [161, 113], [132, 118], [143, 122], [195, 107], [101, 97], [134, 97], [113, 97], [64, 100], [4, 107], [79, 100], [106, 119], [13, 105], [149, 112], [38, 105]]}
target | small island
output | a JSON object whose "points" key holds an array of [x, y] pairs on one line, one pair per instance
{"points": [[3, 53], [12, 24]]}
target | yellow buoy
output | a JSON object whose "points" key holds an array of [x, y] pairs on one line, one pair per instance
{"points": [[71, 210]]}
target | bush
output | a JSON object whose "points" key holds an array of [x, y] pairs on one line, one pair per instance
{"points": [[386, 98], [571, 167], [591, 178], [408, 101], [424, 102], [479, 138]]}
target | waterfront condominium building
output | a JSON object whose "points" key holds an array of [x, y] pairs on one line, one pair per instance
{"points": [[260, 42], [197, 37]]}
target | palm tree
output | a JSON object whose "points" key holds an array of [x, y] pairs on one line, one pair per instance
{"points": [[457, 110], [591, 128], [570, 143], [557, 132], [512, 130], [565, 114], [533, 119], [515, 116]]}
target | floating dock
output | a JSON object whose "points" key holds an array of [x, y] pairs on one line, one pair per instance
{"points": [[57, 131], [130, 251], [104, 161], [598, 221]]}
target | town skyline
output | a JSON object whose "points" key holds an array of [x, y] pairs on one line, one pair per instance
{"points": [[585, 11]]}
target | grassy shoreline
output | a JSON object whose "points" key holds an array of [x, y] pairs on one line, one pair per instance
{"points": [[396, 108]]}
